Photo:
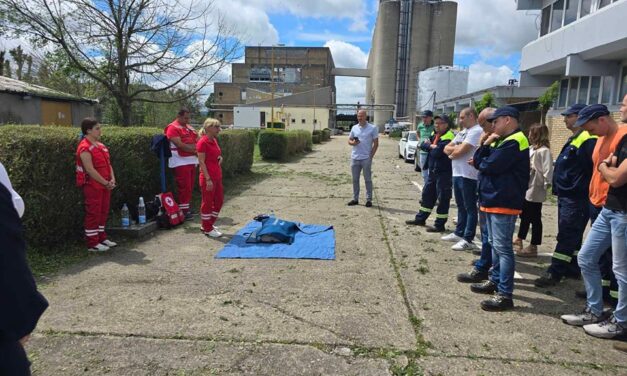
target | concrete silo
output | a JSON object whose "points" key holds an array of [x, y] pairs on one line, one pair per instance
{"points": [[385, 57], [440, 82]]}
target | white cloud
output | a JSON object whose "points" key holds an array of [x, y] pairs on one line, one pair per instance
{"points": [[346, 55], [350, 89], [326, 35], [250, 23], [483, 75]]}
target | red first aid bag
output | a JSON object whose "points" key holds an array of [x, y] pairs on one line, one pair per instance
{"points": [[171, 215]]}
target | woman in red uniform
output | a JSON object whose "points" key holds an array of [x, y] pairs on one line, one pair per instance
{"points": [[95, 175], [210, 159]]}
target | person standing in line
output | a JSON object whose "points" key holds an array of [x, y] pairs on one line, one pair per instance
{"points": [[481, 267], [439, 181], [94, 174], [503, 161], [364, 138], [541, 175], [571, 178], [183, 161], [425, 129], [212, 190], [459, 151], [597, 121]]}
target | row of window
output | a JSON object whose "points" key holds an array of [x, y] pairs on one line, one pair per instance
{"points": [[563, 12], [591, 89]]}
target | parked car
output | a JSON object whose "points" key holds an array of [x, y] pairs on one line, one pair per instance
{"points": [[407, 146]]}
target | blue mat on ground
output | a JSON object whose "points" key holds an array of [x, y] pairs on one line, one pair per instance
{"points": [[318, 244]]}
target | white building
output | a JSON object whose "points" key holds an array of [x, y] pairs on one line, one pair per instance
{"points": [[438, 83]]}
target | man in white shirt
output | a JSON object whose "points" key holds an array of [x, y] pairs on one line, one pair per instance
{"points": [[364, 138], [460, 150]]}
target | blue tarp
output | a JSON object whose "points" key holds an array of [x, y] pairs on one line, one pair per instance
{"points": [[313, 242]]}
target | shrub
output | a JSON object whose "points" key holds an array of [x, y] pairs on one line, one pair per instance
{"points": [[40, 162], [397, 133], [279, 145], [316, 138], [326, 134], [255, 132]]}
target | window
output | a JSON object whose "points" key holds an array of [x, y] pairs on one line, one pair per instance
{"points": [[584, 83], [315, 121], [585, 8], [570, 11], [220, 94], [558, 15], [606, 91], [243, 95], [603, 3], [302, 121], [595, 86], [293, 120], [623, 84], [546, 19], [563, 93], [572, 92]]}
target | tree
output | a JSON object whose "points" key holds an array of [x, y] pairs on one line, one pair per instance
{"points": [[211, 99], [546, 100], [486, 101], [2, 53], [134, 48], [19, 57]]}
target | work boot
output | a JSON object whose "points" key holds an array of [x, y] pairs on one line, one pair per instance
{"points": [[435, 229], [487, 287], [529, 251], [497, 303], [415, 222], [517, 245], [475, 276], [547, 280]]}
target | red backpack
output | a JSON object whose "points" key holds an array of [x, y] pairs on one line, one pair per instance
{"points": [[170, 214]]}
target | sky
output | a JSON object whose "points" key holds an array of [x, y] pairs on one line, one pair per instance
{"points": [[489, 34]]}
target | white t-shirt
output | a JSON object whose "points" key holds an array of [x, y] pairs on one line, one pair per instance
{"points": [[460, 165], [366, 134]]}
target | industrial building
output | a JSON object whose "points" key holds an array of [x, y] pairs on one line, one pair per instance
{"points": [[25, 103], [438, 83], [269, 73], [582, 44], [410, 36]]}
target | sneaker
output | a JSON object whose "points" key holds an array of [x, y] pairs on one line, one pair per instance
{"points": [[368, 204], [586, 317], [435, 229], [497, 303], [529, 251], [548, 279], [463, 245], [98, 248], [621, 346], [109, 243], [609, 329], [487, 287], [352, 203], [213, 233], [475, 276], [451, 238], [415, 222]]}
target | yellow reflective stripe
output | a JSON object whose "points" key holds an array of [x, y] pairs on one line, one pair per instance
{"points": [[575, 253], [523, 143], [605, 283], [581, 138], [614, 294], [563, 257], [447, 136], [426, 210], [441, 215]]}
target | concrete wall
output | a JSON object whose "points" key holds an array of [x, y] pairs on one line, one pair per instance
{"points": [[14, 109], [385, 57], [294, 117]]}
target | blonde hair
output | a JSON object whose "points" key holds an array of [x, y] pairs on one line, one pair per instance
{"points": [[209, 123], [539, 135]]}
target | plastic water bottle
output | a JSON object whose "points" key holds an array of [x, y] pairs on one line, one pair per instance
{"points": [[126, 217], [141, 211]]}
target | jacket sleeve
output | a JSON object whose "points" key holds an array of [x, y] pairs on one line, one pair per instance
{"points": [[584, 155], [482, 152], [545, 166], [21, 303], [500, 159], [438, 152]]}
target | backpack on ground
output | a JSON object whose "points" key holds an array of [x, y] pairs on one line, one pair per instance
{"points": [[170, 215]]}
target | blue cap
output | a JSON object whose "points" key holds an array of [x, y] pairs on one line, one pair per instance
{"points": [[574, 109], [426, 113], [443, 117], [591, 112], [504, 111]]}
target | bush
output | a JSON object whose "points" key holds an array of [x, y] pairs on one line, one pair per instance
{"points": [[40, 162], [316, 138], [396, 133], [279, 145], [255, 132], [326, 134]]}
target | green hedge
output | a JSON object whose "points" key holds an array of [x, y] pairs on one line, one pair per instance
{"points": [[326, 134], [316, 138], [40, 162], [280, 145]]}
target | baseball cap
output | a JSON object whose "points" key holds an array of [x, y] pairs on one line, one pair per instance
{"points": [[443, 117], [574, 109], [591, 112], [504, 111], [426, 113]]}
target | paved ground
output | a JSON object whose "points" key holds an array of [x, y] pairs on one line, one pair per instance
{"points": [[389, 304]]}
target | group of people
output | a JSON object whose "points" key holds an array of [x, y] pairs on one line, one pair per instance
{"points": [[95, 175], [498, 174]]}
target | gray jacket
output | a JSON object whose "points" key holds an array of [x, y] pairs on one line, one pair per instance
{"points": [[540, 173]]}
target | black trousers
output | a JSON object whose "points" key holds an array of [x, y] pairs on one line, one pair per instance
{"points": [[13, 360], [531, 216]]}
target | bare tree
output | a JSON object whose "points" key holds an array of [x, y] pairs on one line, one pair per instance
{"points": [[158, 44]]}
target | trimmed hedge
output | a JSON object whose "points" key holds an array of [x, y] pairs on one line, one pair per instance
{"points": [[279, 145], [326, 134], [40, 162], [316, 136]]}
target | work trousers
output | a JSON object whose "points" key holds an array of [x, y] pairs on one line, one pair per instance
{"points": [[97, 202], [211, 203], [572, 216], [438, 187], [184, 176]]}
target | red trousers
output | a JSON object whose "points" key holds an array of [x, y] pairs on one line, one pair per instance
{"points": [[184, 176], [211, 203], [97, 203]]}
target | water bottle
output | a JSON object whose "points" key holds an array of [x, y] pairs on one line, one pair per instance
{"points": [[126, 217], [141, 211]]}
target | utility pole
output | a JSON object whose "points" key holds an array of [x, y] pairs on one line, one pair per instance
{"points": [[272, 87]]}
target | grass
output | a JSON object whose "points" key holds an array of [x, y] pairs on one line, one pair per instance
{"points": [[48, 262]]}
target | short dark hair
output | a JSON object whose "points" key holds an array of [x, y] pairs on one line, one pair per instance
{"points": [[87, 124], [183, 111]]}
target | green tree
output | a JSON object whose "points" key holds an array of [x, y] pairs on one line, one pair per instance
{"points": [[487, 100], [546, 100], [20, 58], [209, 104]]}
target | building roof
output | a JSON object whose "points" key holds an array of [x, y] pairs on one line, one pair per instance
{"points": [[10, 85]]}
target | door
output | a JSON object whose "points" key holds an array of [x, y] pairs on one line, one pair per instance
{"points": [[56, 113]]}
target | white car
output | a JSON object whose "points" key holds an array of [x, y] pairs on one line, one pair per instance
{"points": [[408, 145]]}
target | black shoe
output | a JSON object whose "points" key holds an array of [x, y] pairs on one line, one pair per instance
{"points": [[368, 204], [475, 276], [435, 229], [476, 251], [487, 287], [189, 216], [352, 203], [497, 303], [415, 222], [548, 279]]}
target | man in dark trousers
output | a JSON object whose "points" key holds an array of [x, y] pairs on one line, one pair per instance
{"points": [[21, 304]]}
